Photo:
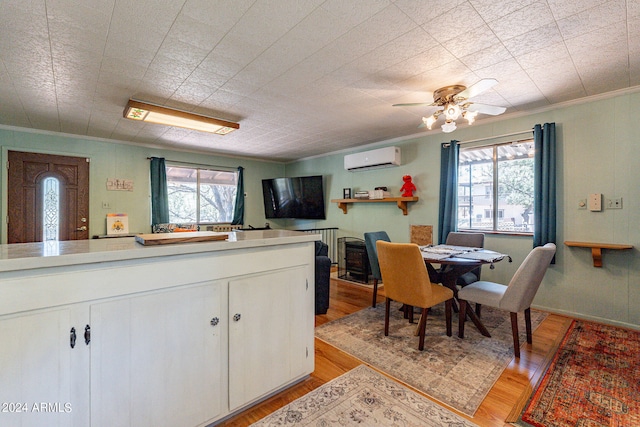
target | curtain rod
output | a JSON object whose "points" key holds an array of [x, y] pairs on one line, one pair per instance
{"points": [[197, 164], [495, 137]]}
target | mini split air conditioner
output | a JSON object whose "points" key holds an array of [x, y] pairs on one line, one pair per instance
{"points": [[380, 158]]}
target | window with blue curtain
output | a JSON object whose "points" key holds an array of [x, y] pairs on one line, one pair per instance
{"points": [[185, 194], [506, 187]]}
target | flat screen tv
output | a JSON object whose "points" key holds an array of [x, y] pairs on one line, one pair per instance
{"points": [[297, 198]]}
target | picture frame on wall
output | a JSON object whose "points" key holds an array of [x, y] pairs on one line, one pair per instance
{"points": [[346, 193]]}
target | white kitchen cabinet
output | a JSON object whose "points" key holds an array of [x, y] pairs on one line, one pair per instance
{"points": [[163, 348], [269, 340], [156, 359], [36, 369]]}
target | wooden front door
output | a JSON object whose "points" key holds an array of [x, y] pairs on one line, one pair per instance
{"points": [[66, 215]]}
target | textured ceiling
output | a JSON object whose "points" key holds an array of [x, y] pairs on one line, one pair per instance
{"points": [[302, 77]]}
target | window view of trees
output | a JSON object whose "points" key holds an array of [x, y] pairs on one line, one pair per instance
{"points": [[495, 187], [200, 195]]}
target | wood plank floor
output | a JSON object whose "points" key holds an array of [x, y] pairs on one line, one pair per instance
{"points": [[504, 400]]}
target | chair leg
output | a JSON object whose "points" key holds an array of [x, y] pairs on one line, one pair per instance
{"points": [[514, 330], [527, 322], [478, 309], [462, 314], [410, 308], [386, 316], [375, 293], [447, 307], [421, 328]]}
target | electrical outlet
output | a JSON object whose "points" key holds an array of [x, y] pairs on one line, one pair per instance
{"points": [[615, 203], [595, 202], [106, 205]]}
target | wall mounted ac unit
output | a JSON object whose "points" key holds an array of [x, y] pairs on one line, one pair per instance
{"points": [[380, 158]]}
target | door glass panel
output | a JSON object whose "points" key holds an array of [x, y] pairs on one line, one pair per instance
{"points": [[51, 210]]}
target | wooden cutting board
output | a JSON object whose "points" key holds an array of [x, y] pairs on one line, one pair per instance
{"points": [[181, 237]]}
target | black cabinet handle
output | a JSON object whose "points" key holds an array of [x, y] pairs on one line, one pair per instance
{"points": [[87, 334], [72, 338]]}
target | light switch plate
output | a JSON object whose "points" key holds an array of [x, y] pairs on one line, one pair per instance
{"points": [[595, 202]]}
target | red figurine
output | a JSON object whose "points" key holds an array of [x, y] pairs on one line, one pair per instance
{"points": [[408, 187]]}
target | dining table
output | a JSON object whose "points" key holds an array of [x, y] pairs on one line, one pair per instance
{"points": [[454, 261]]}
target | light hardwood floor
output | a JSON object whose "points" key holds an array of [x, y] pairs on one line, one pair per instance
{"points": [[503, 401]]}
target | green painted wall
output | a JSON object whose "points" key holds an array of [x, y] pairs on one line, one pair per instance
{"points": [[598, 152], [123, 161]]}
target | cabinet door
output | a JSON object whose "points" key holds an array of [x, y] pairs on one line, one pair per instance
{"points": [[270, 333], [156, 359], [35, 370]]}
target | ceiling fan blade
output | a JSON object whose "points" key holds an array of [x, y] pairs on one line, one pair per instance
{"points": [[477, 88], [412, 104], [486, 109]]}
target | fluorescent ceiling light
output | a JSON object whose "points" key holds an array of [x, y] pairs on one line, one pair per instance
{"points": [[140, 111]]}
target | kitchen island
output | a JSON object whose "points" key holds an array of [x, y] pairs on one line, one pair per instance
{"points": [[109, 332]]}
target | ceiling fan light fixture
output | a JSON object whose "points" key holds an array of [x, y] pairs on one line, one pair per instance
{"points": [[449, 126], [470, 116], [453, 103], [452, 111], [429, 121], [141, 111]]}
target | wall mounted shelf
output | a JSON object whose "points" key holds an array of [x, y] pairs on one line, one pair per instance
{"points": [[402, 202], [596, 249]]}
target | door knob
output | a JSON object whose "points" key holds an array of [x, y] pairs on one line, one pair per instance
{"points": [[83, 228]]}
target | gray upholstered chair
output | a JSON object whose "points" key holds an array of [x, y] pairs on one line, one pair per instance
{"points": [[472, 240], [370, 240], [515, 297]]}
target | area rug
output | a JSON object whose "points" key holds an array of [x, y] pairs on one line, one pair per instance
{"points": [[593, 381], [457, 372], [363, 397]]}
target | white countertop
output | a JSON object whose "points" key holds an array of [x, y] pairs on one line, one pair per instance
{"points": [[25, 256]]}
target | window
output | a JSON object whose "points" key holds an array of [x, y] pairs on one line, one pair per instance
{"points": [[51, 209], [495, 188], [199, 195]]}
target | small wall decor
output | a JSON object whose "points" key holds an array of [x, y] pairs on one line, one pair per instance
{"points": [[408, 187], [117, 223], [115, 184]]}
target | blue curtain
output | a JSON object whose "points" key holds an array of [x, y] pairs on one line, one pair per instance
{"points": [[159, 199], [544, 207], [238, 209], [447, 217]]}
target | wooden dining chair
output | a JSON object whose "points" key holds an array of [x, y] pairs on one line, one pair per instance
{"points": [[406, 280], [515, 297]]}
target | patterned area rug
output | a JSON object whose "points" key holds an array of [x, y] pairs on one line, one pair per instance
{"points": [[457, 372], [594, 380], [363, 397]]}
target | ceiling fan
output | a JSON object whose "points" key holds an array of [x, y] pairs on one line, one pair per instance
{"points": [[453, 100]]}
